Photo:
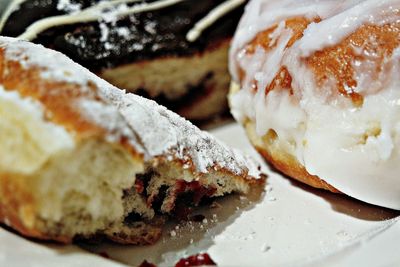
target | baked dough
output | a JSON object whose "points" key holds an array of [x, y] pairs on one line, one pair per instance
{"points": [[315, 84], [80, 158]]}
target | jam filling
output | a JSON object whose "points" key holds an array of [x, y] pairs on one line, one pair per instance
{"points": [[147, 264], [196, 260], [179, 199]]}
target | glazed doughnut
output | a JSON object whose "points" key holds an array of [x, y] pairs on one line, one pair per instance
{"points": [[80, 158], [173, 51], [316, 85]]}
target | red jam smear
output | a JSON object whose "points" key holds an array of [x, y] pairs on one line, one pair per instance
{"points": [[104, 255], [196, 260], [147, 264]]}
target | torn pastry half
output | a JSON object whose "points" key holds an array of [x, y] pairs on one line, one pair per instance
{"points": [[80, 158]]}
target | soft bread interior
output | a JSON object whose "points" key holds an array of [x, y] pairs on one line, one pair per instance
{"points": [[83, 188], [167, 190], [54, 183], [60, 187], [27, 141]]}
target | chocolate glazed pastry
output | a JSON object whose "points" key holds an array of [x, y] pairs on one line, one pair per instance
{"points": [[174, 51]]}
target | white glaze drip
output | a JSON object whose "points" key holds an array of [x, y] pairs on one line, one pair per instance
{"points": [[96, 12], [93, 13], [212, 17], [13, 6], [353, 149]]}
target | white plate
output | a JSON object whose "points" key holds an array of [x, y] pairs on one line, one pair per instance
{"points": [[288, 225]]}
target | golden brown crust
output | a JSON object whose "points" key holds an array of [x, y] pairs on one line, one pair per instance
{"points": [[57, 97], [263, 39], [282, 160], [337, 61]]}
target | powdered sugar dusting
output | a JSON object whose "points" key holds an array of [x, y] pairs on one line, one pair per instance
{"points": [[163, 131], [109, 118], [69, 7], [151, 129], [54, 65]]}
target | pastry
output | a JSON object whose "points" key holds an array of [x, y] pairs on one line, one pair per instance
{"points": [[316, 85], [173, 51], [80, 158]]}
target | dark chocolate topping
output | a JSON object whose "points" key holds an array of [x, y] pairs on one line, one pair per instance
{"points": [[142, 36]]}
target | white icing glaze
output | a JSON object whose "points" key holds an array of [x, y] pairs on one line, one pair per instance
{"points": [[212, 17], [150, 128], [354, 149], [54, 66], [13, 6], [97, 13], [93, 13]]}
